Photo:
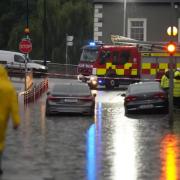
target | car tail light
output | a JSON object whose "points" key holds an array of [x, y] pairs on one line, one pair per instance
{"points": [[159, 95], [88, 98], [52, 98], [130, 98]]}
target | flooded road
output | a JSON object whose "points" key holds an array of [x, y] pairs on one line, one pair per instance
{"points": [[108, 146]]}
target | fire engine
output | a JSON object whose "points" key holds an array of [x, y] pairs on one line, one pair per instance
{"points": [[110, 65], [115, 64]]}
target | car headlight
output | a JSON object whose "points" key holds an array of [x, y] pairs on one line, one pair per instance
{"points": [[93, 78]]}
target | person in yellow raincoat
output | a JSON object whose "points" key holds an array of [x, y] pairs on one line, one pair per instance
{"points": [[8, 108]]}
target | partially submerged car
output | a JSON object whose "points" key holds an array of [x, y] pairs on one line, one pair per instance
{"points": [[145, 95], [70, 98]]}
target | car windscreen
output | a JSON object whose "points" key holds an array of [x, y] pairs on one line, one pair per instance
{"points": [[71, 90], [19, 59], [89, 54], [144, 87]]}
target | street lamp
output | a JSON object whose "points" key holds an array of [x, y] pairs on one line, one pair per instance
{"points": [[27, 15], [124, 18], [172, 31], [44, 32]]}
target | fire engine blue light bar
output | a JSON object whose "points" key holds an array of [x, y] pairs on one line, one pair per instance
{"points": [[92, 43]]}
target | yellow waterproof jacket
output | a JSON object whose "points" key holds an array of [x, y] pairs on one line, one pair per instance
{"points": [[8, 105], [176, 90], [164, 82]]}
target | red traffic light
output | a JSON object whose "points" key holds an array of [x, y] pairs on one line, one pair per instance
{"points": [[171, 48]]}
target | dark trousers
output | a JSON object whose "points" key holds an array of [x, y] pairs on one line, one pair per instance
{"points": [[0, 160], [176, 101]]}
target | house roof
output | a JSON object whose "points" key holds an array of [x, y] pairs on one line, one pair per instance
{"points": [[135, 1]]}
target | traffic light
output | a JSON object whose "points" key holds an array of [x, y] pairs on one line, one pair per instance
{"points": [[171, 48], [26, 31]]}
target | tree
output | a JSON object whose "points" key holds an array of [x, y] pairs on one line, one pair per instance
{"points": [[73, 17]]}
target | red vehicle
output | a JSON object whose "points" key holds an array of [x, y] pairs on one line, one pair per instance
{"points": [[109, 65]]}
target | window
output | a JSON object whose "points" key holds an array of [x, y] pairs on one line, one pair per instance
{"points": [[115, 58], [105, 56], [19, 59], [125, 56], [89, 55], [137, 28]]}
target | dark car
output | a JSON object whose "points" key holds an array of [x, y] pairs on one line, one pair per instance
{"points": [[70, 98], [145, 95]]}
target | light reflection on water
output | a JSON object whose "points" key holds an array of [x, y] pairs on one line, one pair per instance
{"points": [[91, 153], [136, 148], [94, 135], [169, 157], [122, 151], [124, 143]]}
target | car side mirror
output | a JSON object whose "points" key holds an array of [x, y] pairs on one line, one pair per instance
{"points": [[123, 95], [48, 93]]}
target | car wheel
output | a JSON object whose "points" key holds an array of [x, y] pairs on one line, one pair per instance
{"points": [[110, 83], [47, 112], [126, 110], [91, 113]]}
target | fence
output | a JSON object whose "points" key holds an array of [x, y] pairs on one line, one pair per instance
{"points": [[34, 93], [54, 70], [62, 70]]}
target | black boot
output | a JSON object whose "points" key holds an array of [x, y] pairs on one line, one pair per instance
{"points": [[1, 171]]}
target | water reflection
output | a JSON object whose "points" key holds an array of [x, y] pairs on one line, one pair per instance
{"points": [[124, 160], [169, 156], [91, 153], [94, 140], [118, 151]]}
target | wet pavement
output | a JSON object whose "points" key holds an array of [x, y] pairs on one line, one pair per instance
{"points": [[108, 146]]}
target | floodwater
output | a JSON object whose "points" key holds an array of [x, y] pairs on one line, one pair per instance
{"points": [[108, 146]]}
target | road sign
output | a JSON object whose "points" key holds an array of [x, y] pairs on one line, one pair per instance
{"points": [[69, 40], [25, 46]]}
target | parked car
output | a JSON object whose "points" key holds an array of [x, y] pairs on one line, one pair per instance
{"points": [[70, 98], [16, 61], [145, 95]]}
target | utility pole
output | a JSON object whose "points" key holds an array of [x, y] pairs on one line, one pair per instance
{"points": [[171, 49], [44, 32]]}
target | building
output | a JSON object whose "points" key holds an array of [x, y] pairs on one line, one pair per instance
{"points": [[145, 20]]}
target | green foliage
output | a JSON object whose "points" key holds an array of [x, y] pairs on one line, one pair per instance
{"points": [[72, 17]]}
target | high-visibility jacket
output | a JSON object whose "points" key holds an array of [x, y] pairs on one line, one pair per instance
{"points": [[8, 105], [164, 82], [176, 90]]}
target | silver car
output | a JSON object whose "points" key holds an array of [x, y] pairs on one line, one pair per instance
{"points": [[145, 95], [70, 98]]}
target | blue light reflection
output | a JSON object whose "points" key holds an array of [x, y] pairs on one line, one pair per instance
{"points": [[91, 153]]}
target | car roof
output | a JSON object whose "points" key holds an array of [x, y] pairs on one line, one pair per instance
{"points": [[143, 87], [11, 52], [71, 83], [144, 83], [71, 87]]}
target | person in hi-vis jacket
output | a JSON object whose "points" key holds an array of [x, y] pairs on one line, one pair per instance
{"points": [[165, 81]]}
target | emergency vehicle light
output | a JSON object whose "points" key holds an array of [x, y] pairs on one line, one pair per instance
{"points": [[92, 43]]}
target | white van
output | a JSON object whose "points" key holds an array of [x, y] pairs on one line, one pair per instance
{"points": [[16, 60]]}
